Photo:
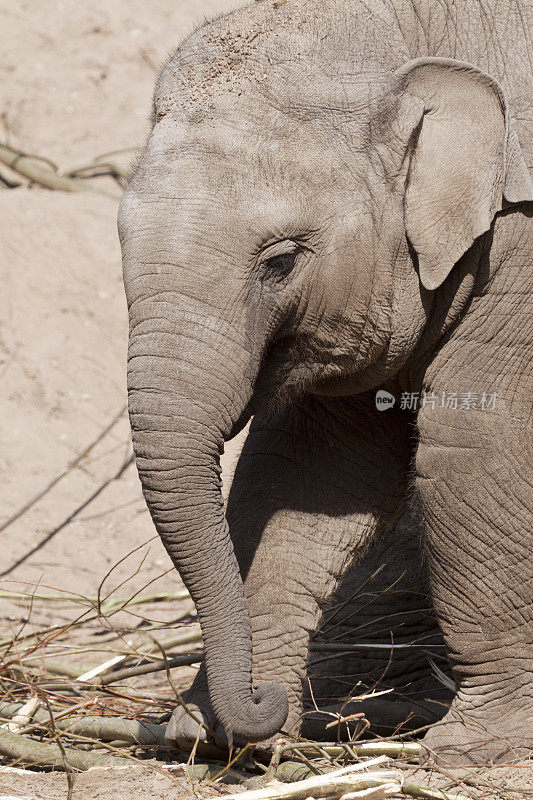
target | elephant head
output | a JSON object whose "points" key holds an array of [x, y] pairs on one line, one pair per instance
{"points": [[272, 236]]}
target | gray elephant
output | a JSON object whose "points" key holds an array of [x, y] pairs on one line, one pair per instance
{"points": [[333, 207]]}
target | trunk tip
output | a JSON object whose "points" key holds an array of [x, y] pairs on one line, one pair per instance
{"points": [[261, 718]]}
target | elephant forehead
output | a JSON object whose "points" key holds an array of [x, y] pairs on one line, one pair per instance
{"points": [[236, 156], [208, 181]]}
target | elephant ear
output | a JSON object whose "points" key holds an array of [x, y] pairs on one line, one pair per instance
{"points": [[465, 162]]}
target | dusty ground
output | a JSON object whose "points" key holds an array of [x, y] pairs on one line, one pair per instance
{"points": [[76, 82], [497, 783]]}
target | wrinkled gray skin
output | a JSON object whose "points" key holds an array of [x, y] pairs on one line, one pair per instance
{"points": [[330, 202]]}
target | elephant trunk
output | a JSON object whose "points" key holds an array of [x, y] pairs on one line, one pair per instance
{"points": [[187, 389]]}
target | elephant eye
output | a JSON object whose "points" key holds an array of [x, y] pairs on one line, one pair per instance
{"points": [[278, 260], [279, 266]]}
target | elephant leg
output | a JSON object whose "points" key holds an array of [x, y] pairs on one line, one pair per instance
{"points": [[315, 484], [382, 600], [473, 485], [379, 632]]}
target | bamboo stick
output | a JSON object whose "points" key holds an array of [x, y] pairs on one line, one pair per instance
{"points": [[104, 728], [23, 715], [332, 784], [145, 669], [31, 169], [297, 774], [333, 750], [190, 634], [21, 748], [378, 793]]}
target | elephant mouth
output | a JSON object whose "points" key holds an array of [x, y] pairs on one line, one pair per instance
{"points": [[273, 380], [242, 422], [290, 368]]}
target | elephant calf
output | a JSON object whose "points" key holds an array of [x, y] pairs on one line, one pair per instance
{"points": [[333, 210]]}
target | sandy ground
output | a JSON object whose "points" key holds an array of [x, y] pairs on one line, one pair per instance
{"points": [[77, 78], [64, 338], [76, 82], [137, 783]]}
